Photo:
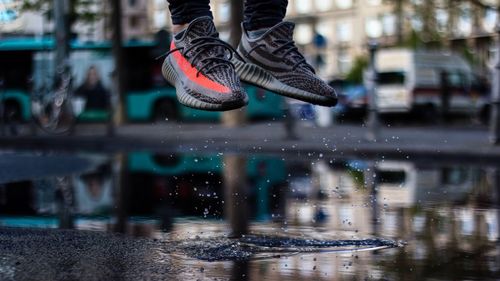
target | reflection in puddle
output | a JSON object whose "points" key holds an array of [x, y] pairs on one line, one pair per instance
{"points": [[259, 247], [301, 211]]}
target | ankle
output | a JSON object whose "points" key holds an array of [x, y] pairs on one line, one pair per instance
{"points": [[254, 34], [176, 28]]}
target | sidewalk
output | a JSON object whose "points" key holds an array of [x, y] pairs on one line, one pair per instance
{"points": [[342, 141]]}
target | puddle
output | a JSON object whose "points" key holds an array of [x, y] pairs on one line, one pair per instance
{"points": [[324, 219], [265, 247]]}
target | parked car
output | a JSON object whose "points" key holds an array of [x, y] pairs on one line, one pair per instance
{"points": [[353, 99]]}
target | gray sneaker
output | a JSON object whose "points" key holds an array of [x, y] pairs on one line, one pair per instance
{"points": [[273, 62], [199, 66]]}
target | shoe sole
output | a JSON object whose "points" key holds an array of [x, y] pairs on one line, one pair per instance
{"points": [[186, 99], [256, 75]]}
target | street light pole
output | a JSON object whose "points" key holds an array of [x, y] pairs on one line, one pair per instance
{"points": [[2, 107], [370, 80], [495, 97], [235, 118], [61, 29], [116, 99]]}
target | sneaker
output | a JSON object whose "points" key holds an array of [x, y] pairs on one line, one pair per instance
{"points": [[199, 66], [272, 61]]}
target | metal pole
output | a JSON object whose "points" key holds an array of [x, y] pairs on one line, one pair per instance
{"points": [[2, 109], [236, 194], [61, 30], [495, 97], [289, 123], [119, 72], [371, 88], [445, 96], [371, 183], [235, 118], [235, 177], [121, 193]]}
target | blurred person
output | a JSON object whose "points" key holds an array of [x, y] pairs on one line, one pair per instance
{"points": [[92, 90], [94, 192], [206, 71]]}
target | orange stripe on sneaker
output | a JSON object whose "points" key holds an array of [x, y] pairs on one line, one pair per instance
{"points": [[190, 72]]}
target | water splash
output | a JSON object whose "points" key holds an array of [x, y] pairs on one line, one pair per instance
{"points": [[261, 246]]}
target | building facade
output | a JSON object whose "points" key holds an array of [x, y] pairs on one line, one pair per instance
{"points": [[135, 21], [332, 33], [13, 21]]}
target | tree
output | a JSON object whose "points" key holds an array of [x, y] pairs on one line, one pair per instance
{"points": [[425, 12], [79, 10], [355, 75]]}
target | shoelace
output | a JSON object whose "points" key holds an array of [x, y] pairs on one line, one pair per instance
{"points": [[199, 46], [287, 47]]}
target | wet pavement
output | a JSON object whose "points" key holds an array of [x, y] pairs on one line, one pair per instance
{"points": [[171, 216], [446, 144]]}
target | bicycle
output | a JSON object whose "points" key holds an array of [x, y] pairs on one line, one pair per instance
{"points": [[52, 105]]}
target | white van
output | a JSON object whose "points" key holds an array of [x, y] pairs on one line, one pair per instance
{"points": [[411, 80], [404, 184]]}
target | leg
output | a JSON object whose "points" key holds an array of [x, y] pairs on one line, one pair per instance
{"points": [[198, 64], [263, 13], [185, 11]]}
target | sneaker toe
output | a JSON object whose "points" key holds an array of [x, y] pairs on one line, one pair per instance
{"points": [[322, 92]]}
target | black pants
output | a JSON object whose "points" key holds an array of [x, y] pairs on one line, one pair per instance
{"points": [[257, 14]]}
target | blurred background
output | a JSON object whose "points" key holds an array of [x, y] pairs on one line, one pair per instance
{"points": [[451, 43], [92, 138]]}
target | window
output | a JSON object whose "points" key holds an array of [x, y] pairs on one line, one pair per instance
{"points": [[442, 17], [344, 4], [344, 31], [490, 20], [416, 23], [464, 26], [324, 5], [224, 11], [324, 27], [374, 2], [344, 61], [160, 19], [303, 34], [391, 78], [457, 80], [133, 21], [392, 177], [373, 27], [303, 6], [453, 176], [7, 15], [389, 24]]}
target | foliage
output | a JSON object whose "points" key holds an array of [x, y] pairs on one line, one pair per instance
{"points": [[428, 34], [79, 10], [355, 75]]}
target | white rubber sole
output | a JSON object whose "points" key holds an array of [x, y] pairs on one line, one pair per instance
{"points": [[186, 99], [254, 74]]}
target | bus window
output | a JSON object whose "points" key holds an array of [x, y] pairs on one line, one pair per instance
{"points": [[143, 70], [16, 69], [391, 78]]}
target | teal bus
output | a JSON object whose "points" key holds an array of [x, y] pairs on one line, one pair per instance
{"points": [[24, 61], [196, 180]]}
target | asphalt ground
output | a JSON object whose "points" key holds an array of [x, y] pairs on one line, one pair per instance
{"points": [[27, 254]]}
